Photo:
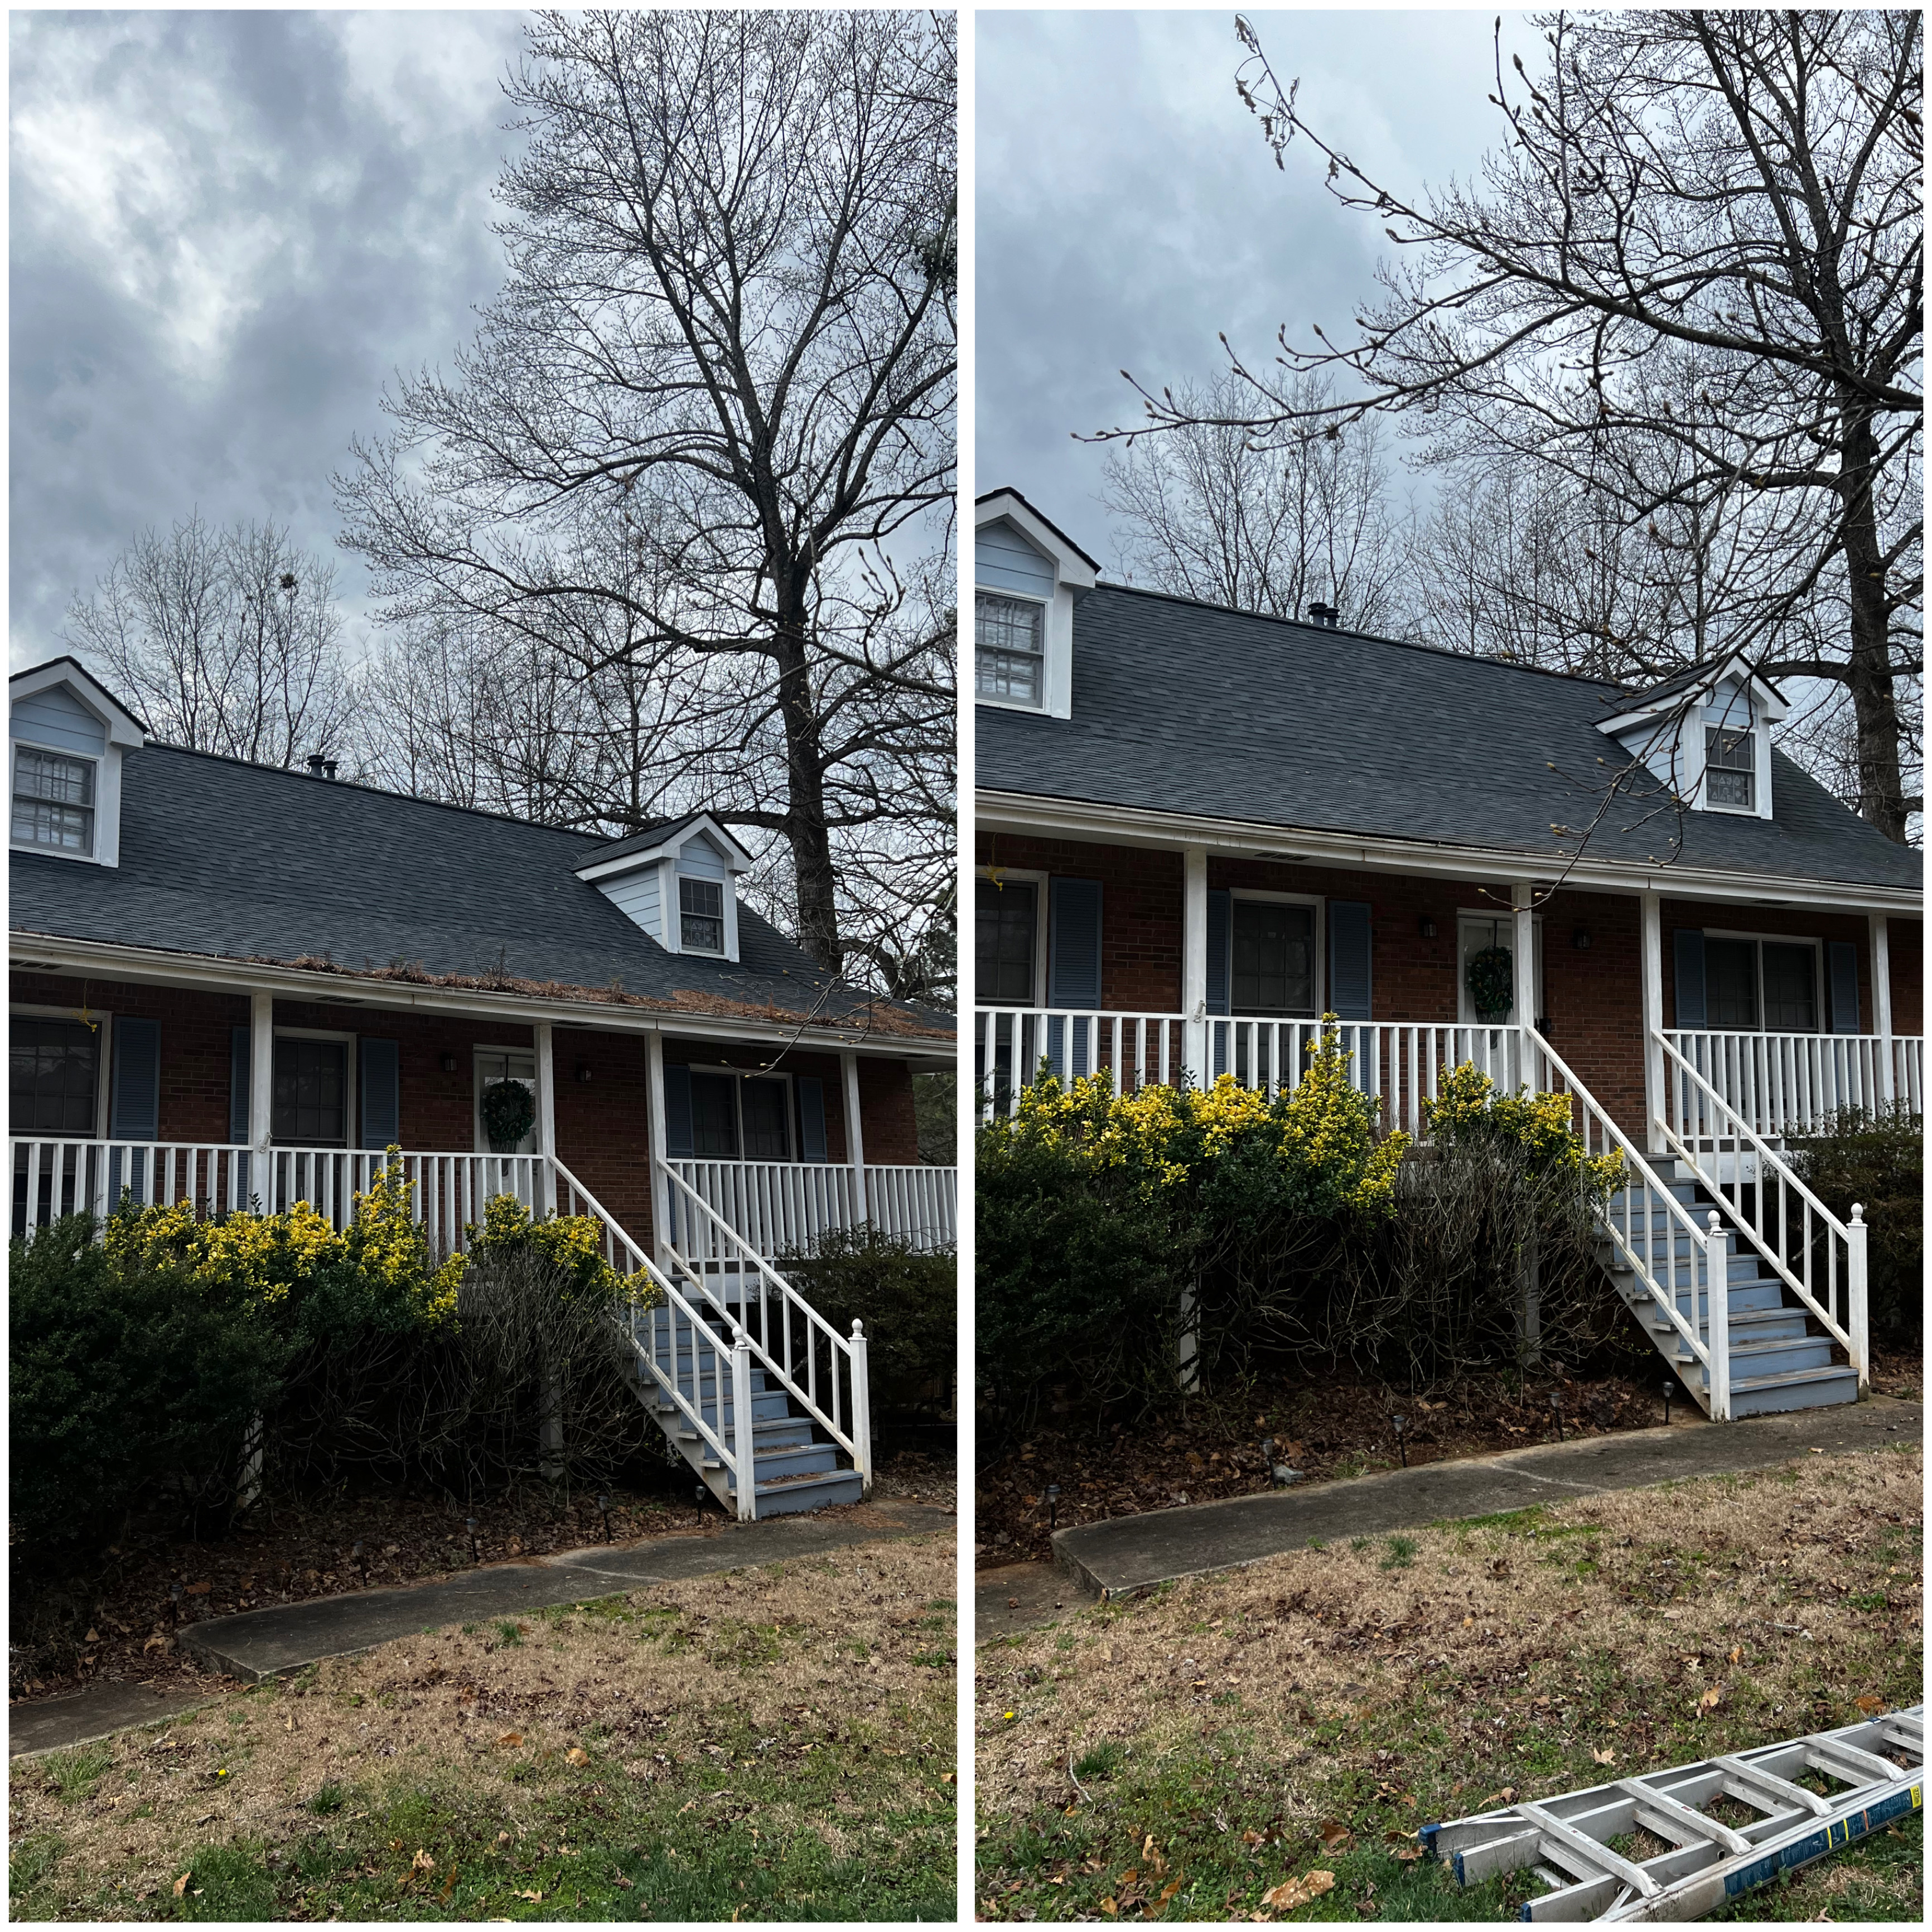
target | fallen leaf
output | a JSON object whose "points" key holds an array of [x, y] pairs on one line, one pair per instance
{"points": [[625, 1882], [535, 1897], [422, 1861], [1293, 1893], [1711, 1698], [197, 1589], [511, 1738], [92, 1636], [1737, 1655], [181, 1883], [1174, 1886], [1108, 1906], [1870, 1706], [576, 1754], [1334, 1833], [1606, 1756], [158, 1643], [1409, 1857]]}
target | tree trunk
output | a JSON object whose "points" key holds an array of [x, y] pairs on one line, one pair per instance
{"points": [[1868, 676], [805, 791]]}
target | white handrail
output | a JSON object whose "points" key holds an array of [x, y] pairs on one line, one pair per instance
{"points": [[1787, 1083], [1767, 1229], [1662, 1272], [708, 1249], [1010, 1043]]}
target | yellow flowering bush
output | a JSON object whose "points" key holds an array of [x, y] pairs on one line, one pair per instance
{"points": [[1470, 1109], [574, 1243]]}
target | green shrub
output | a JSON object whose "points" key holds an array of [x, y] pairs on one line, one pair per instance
{"points": [[1878, 1160], [123, 1381], [908, 1300]]}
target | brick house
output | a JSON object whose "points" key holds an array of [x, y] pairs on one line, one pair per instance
{"points": [[232, 983], [1198, 830]]}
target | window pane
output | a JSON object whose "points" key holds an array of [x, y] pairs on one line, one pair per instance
{"points": [[714, 1116], [52, 1085], [1730, 767], [701, 915], [1274, 958], [1790, 989], [53, 800], [1007, 633], [311, 1093], [764, 1105], [1730, 984], [1003, 942]]}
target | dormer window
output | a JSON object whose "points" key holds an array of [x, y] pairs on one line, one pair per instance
{"points": [[1730, 769], [1009, 648], [700, 906], [53, 801]]}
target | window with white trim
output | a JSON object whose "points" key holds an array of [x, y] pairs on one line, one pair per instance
{"points": [[1730, 767], [1009, 648], [1272, 959], [53, 801], [55, 1076], [700, 915], [1753, 986], [740, 1116]]}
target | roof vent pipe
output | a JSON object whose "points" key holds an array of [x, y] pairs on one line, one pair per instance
{"points": [[1324, 616], [315, 764], [329, 767]]}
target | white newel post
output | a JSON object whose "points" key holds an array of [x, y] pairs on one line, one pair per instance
{"points": [[1881, 975], [743, 1451], [1717, 1288], [855, 1136], [1651, 987], [261, 1184], [1856, 1235], [861, 1409], [546, 1186], [654, 1065], [1522, 963], [1194, 964]]}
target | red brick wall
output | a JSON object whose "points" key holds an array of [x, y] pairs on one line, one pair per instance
{"points": [[1796, 922]]}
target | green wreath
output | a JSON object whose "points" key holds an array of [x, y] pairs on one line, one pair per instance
{"points": [[509, 1112], [1492, 981]]}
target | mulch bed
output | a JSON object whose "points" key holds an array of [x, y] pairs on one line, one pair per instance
{"points": [[292, 1552], [1326, 1430]]}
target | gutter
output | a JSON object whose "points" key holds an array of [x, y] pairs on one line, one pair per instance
{"points": [[1138, 825], [29, 951]]}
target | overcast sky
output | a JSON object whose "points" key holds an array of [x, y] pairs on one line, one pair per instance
{"points": [[1128, 208], [227, 230]]}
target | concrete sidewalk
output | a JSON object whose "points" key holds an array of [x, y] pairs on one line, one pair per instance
{"points": [[257, 1645], [1127, 1553]]}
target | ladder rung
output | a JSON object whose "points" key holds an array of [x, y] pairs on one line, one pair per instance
{"points": [[1667, 1811], [1598, 1860], [1768, 1784]]}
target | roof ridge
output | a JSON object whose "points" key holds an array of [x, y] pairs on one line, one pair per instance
{"points": [[1370, 637]]}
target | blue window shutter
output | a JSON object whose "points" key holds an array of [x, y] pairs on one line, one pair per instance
{"points": [[136, 1114], [1351, 959], [239, 1079], [810, 1117], [380, 1092], [679, 1143], [1842, 967], [1073, 944], [1220, 915], [1690, 980]]}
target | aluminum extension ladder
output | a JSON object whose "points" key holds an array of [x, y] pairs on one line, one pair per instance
{"points": [[1566, 1841]]}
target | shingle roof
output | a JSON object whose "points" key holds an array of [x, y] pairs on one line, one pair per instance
{"points": [[245, 862], [1181, 707]]}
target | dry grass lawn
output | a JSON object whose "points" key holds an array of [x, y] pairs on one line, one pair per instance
{"points": [[777, 1741], [1178, 1756]]}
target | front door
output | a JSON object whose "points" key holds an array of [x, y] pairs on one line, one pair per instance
{"points": [[494, 1063], [1476, 935]]}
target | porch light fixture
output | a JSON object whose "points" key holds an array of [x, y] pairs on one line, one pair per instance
{"points": [[583, 1073], [449, 1063], [1580, 939], [1428, 927]]}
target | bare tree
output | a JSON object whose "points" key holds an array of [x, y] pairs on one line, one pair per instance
{"points": [[709, 420], [1689, 281], [1261, 523], [228, 640]]}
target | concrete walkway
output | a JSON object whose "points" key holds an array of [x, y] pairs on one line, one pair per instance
{"points": [[1127, 1553], [257, 1645]]}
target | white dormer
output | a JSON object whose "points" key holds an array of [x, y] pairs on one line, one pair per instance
{"points": [[678, 882], [1026, 578], [66, 735], [1708, 739]]}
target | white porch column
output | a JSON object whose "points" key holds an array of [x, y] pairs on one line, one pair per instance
{"points": [[1650, 979], [546, 1188], [1522, 962], [1194, 962], [262, 1098], [855, 1135], [1881, 973], [660, 1193]]}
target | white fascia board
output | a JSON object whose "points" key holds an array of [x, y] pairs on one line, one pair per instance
{"points": [[1765, 702], [122, 727], [737, 858], [1073, 569], [1020, 812], [149, 965]]}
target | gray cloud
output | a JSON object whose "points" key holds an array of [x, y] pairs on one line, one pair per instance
{"points": [[226, 230], [1127, 208]]}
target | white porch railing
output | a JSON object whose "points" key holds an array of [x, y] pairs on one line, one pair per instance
{"points": [[781, 1207], [1789, 1083], [1822, 1259], [1399, 1062]]}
